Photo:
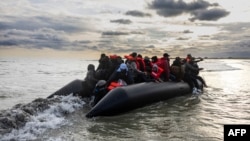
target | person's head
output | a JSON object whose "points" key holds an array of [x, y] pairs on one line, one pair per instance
{"points": [[91, 67], [100, 86], [146, 58], [119, 59], [122, 68], [103, 55], [134, 54], [139, 56], [189, 56], [166, 55], [178, 59], [154, 59], [105, 59]]}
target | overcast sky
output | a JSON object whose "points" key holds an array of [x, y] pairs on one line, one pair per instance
{"points": [[150, 27]]}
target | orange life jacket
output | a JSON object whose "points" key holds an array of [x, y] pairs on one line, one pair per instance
{"points": [[116, 84], [156, 75], [113, 85]]}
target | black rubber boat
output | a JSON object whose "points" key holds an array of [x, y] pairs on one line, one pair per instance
{"points": [[74, 87], [123, 99], [127, 98]]}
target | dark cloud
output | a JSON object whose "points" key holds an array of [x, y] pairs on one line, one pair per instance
{"points": [[37, 39], [121, 21], [42, 32], [187, 31], [118, 33], [137, 32], [66, 24], [209, 15], [150, 46], [8, 42], [198, 9], [115, 33], [42, 38], [137, 13], [83, 42], [182, 38], [168, 8]]}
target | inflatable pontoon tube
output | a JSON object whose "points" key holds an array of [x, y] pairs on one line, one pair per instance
{"points": [[123, 99]]}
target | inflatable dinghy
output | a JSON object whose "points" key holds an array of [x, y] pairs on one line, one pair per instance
{"points": [[126, 98]]}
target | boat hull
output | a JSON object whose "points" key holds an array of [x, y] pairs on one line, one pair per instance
{"points": [[127, 98]]}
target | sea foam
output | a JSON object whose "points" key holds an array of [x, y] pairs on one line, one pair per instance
{"points": [[51, 118]]}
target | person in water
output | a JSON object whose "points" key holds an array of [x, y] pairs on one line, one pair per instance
{"points": [[189, 76], [191, 58], [196, 73]]}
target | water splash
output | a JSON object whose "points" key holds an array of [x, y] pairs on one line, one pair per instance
{"points": [[51, 118]]}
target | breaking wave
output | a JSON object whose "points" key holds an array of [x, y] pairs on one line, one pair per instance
{"points": [[26, 122]]}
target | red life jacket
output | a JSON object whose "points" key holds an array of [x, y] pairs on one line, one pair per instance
{"points": [[129, 57], [115, 84], [156, 75], [113, 56], [162, 63], [140, 64]]}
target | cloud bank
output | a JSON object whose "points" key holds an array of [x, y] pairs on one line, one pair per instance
{"points": [[174, 26]]}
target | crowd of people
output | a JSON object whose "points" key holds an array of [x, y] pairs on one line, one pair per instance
{"points": [[135, 68]]}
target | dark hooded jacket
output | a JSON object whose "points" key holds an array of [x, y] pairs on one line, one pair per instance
{"points": [[90, 77]]}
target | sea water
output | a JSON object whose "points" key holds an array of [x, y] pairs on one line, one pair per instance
{"points": [[225, 101]]}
